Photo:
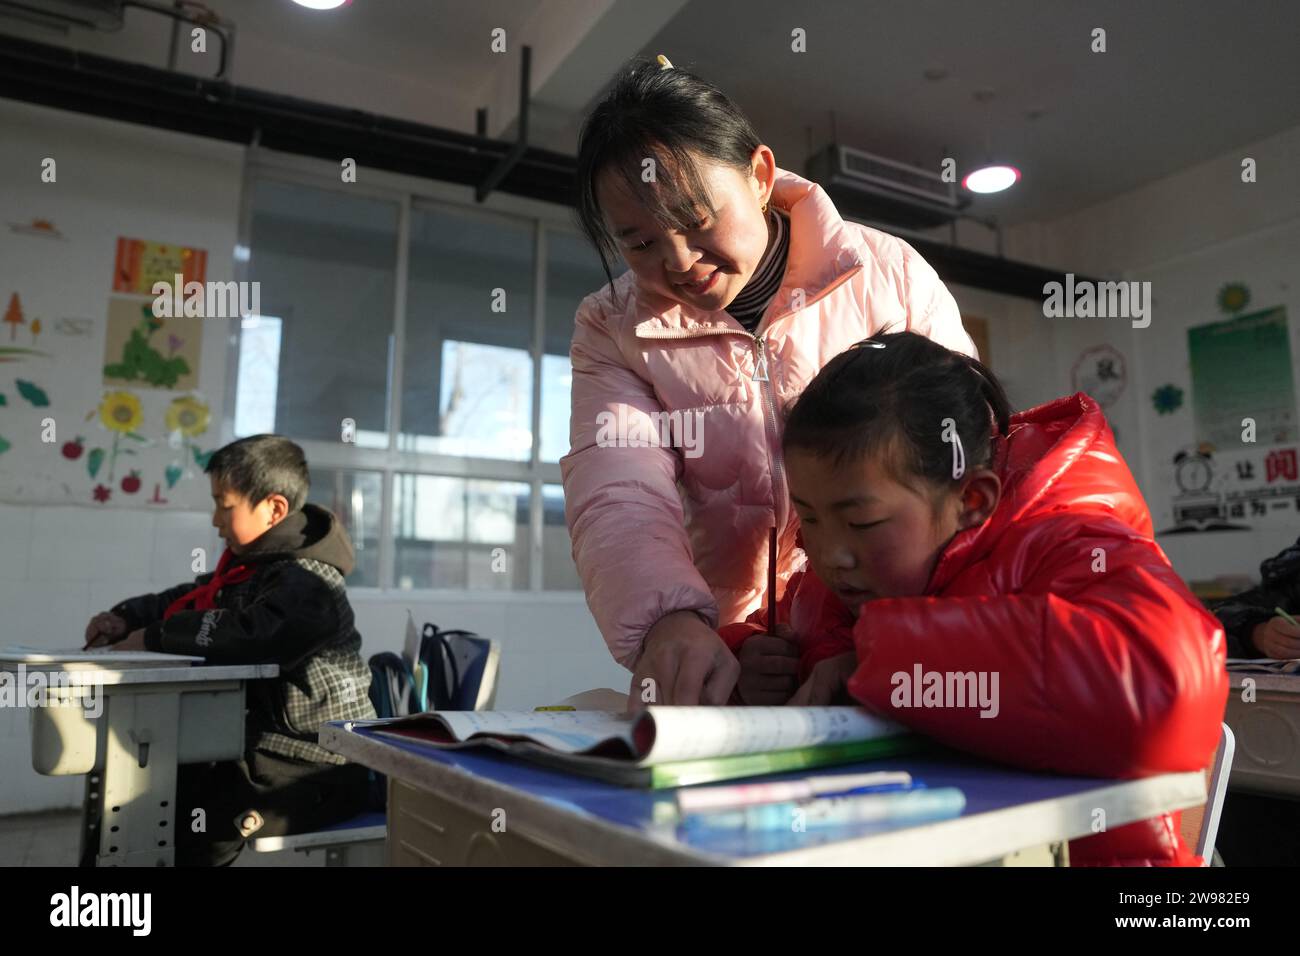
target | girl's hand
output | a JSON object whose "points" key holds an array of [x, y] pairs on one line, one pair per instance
{"points": [[132, 642], [769, 668], [686, 663], [1277, 638], [827, 683]]}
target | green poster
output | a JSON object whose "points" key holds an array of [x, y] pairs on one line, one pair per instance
{"points": [[1241, 368]]}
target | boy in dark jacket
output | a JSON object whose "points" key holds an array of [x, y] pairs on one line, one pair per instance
{"points": [[1254, 627], [276, 597]]}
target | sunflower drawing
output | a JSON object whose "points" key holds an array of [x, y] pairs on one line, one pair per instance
{"points": [[120, 411], [1234, 297], [121, 414], [187, 417]]}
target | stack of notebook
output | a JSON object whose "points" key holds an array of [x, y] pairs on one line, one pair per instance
{"points": [[664, 746]]}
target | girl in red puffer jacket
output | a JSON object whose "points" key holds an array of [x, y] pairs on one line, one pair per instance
{"points": [[989, 580]]}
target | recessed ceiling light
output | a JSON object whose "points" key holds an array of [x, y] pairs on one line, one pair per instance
{"points": [[322, 4], [991, 179]]}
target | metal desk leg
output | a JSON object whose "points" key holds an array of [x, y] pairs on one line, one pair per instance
{"points": [[130, 812]]}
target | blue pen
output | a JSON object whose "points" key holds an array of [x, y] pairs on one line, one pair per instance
{"points": [[877, 788], [908, 806]]}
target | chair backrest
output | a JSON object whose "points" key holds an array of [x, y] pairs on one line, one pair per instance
{"points": [[460, 669], [1216, 792], [478, 660], [1201, 824]]}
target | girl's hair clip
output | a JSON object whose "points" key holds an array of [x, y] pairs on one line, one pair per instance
{"points": [[664, 62], [952, 436]]}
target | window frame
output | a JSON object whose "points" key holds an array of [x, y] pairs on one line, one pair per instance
{"points": [[411, 193]]}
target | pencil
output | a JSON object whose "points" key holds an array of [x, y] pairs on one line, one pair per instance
{"points": [[771, 580], [1289, 618]]}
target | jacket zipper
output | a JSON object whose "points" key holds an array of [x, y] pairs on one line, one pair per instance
{"points": [[764, 379]]}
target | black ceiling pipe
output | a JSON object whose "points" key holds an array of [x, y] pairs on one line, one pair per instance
{"points": [[64, 79]]}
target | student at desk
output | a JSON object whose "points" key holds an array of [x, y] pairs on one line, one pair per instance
{"points": [[277, 597], [949, 538], [1254, 627]]}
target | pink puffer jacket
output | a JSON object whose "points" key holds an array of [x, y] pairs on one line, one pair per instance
{"points": [[659, 529]]}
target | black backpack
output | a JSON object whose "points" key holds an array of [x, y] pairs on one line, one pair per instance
{"points": [[393, 691], [392, 686]]}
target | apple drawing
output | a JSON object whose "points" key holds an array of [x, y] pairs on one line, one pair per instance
{"points": [[72, 450], [131, 483]]}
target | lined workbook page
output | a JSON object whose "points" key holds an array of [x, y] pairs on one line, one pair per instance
{"points": [[689, 733]]}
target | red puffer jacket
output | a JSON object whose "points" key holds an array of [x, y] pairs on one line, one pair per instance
{"points": [[1108, 666]]}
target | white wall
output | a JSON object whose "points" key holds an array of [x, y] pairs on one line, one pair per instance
{"points": [[1188, 234], [59, 565]]}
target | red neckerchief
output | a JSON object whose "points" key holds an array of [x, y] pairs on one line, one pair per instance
{"points": [[203, 597]]}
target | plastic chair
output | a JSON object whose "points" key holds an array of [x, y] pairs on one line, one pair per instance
{"points": [[1201, 824]]}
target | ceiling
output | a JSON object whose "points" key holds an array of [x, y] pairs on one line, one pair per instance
{"points": [[1181, 81]]}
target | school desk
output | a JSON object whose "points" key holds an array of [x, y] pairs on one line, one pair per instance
{"points": [[152, 720], [472, 807], [1267, 759]]}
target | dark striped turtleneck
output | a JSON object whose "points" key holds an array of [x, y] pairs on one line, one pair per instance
{"points": [[749, 306]]}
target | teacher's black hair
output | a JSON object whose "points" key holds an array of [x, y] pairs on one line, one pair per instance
{"points": [[673, 117]]}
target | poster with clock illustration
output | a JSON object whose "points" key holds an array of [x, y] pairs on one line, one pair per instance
{"points": [[1235, 489]]}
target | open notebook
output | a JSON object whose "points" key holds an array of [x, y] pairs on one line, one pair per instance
{"points": [[663, 746]]}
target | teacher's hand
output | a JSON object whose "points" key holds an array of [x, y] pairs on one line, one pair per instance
{"points": [[683, 662]]}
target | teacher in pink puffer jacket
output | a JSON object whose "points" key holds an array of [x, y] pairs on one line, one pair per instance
{"points": [[742, 282]]}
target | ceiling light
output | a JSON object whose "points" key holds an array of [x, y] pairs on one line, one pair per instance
{"points": [[991, 179]]}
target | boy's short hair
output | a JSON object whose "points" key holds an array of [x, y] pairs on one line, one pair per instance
{"points": [[260, 466]]}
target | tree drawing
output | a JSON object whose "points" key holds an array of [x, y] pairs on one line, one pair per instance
{"points": [[14, 316]]}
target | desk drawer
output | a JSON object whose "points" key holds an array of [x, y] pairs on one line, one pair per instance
{"points": [[70, 739], [427, 830], [1267, 758]]}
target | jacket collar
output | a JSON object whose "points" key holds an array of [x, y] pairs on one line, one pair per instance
{"points": [[1043, 463], [312, 533], [823, 250]]}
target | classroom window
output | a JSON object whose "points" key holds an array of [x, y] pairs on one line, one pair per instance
{"points": [[572, 272], [326, 263], [259, 375], [433, 415], [559, 573], [460, 533], [467, 368], [356, 498]]}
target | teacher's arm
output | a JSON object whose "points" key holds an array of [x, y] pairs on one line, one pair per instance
{"points": [[628, 529]]}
